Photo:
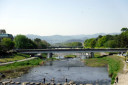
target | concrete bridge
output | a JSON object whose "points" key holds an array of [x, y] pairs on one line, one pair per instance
{"points": [[65, 47], [50, 51]]}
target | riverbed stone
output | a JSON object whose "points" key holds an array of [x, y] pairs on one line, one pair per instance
{"points": [[59, 84], [71, 82], [25, 83], [65, 83], [89, 84], [81, 84], [32, 83], [17, 83], [37, 83], [5, 83]]}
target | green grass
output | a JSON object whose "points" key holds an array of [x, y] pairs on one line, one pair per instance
{"points": [[18, 65], [44, 55], [97, 54], [115, 64], [70, 56], [14, 57], [96, 62]]}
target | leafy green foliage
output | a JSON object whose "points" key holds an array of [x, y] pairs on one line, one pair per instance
{"points": [[23, 42], [74, 44], [101, 41], [109, 41], [110, 44], [7, 44], [70, 56], [41, 44], [124, 29], [90, 43]]}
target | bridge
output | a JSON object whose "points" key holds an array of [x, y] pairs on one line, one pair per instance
{"points": [[65, 47], [50, 51]]}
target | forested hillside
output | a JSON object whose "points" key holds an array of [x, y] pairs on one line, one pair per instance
{"points": [[109, 41]]}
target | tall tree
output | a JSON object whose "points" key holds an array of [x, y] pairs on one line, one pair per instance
{"points": [[22, 42], [37, 40], [101, 41], [93, 43], [90, 43], [7, 44], [74, 44], [41, 44], [124, 29]]}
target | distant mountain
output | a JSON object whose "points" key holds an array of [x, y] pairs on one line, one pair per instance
{"points": [[71, 38]]}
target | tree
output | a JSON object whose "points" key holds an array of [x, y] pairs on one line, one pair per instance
{"points": [[37, 40], [110, 44], [7, 44], [93, 43], [90, 43], [41, 44], [45, 43], [0, 49], [101, 41], [31, 44], [74, 44], [123, 40], [22, 42], [124, 29]]}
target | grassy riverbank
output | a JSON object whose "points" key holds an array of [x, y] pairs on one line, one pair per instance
{"points": [[70, 56], [13, 57], [19, 68], [114, 63]]}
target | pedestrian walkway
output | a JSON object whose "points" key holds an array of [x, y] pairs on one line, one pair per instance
{"points": [[123, 77]]}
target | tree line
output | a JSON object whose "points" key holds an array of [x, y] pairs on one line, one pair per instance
{"points": [[109, 41], [68, 44], [22, 42]]}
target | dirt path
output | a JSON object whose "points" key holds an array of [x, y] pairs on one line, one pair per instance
{"points": [[123, 77]]}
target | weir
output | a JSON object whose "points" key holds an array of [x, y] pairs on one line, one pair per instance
{"points": [[51, 83]]}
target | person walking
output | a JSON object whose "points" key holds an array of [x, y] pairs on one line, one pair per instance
{"points": [[117, 79]]}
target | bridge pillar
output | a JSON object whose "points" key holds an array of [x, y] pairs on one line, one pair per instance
{"points": [[92, 54], [49, 55]]}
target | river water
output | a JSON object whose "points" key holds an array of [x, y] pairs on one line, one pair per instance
{"points": [[72, 69]]}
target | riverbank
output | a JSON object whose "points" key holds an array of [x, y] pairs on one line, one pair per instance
{"points": [[18, 68], [123, 76], [13, 57], [70, 56], [25, 59], [114, 64]]}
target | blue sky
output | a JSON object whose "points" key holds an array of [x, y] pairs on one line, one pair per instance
{"points": [[63, 17]]}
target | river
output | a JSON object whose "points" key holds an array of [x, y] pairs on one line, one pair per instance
{"points": [[72, 69]]}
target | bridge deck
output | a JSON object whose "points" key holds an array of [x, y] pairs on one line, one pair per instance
{"points": [[69, 50]]}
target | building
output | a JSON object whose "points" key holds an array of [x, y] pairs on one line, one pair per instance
{"points": [[2, 31], [4, 35]]}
